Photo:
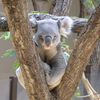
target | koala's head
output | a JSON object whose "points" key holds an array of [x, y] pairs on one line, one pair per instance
{"points": [[48, 32]]}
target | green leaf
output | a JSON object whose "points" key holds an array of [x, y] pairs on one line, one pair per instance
{"points": [[66, 55], [8, 52], [38, 12], [43, 12], [63, 40], [90, 3], [87, 3], [87, 17], [16, 65], [98, 0], [6, 36], [34, 12], [64, 45], [4, 55], [74, 16], [13, 54], [95, 3], [77, 92], [89, 0]]}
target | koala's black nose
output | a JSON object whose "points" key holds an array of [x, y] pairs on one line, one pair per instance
{"points": [[48, 40]]}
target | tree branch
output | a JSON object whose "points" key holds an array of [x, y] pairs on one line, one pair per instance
{"points": [[21, 35], [82, 10], [52, 6], [91, 92], [17, 17], [62, 7], [79, 23], [94, 59], [80, 56], [88, 8], [35, 5]]}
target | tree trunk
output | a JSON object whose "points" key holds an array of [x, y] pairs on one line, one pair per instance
{"points": [[35, 5], [33, 74], [80, 57], [62, 7], [82, 10], [17, 17], [94, 61]]}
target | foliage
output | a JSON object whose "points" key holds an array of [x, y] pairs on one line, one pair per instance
{"points": [[10, 52], [77, 92], [38, 12], [16, 64], [87, 17], [6, 36], [91, 3], [65, 48]]}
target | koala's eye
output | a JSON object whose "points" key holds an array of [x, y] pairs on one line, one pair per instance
{"points": [[40, 36], [55, 36]]}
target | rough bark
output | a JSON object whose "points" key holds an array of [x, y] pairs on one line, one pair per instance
{"points": [[21, 36], [82, 10], [62, 7], [35, 5], [94, 61], [17, 17], [88, 8], [80, 56], [79, 23], [52, 6]]}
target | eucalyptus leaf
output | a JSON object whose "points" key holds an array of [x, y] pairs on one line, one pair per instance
{"points": [[77, 92], [8, 52], [16, 65], [38, 12], [66, 55], [6, 36], [13, 54], [64, 45]]}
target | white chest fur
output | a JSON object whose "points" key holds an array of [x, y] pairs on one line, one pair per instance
{"points": [[47, 54]]}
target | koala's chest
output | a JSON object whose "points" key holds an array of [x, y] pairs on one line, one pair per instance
{"points": [[47, 55]]}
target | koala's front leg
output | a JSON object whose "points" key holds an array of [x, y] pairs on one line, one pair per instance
{"points": [[58, 64], [45, 66]]}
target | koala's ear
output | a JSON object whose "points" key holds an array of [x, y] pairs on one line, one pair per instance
{"points": [[65, 26], [33, 24]]}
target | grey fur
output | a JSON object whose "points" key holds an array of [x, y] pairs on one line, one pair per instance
{"points": [[47, 39]]}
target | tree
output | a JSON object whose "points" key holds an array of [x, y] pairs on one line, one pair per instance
{"points": [[17, 18]]}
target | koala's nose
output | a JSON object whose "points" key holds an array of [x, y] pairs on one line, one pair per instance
{"points": [[48, 40]]}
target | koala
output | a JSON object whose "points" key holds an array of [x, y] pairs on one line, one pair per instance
{"points": [[47, 39]]}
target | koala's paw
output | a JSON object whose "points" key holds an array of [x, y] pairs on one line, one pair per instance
{"points": [[47, 68]]}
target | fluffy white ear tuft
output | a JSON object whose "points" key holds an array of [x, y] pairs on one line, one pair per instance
{"points": [[65, 26]]}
